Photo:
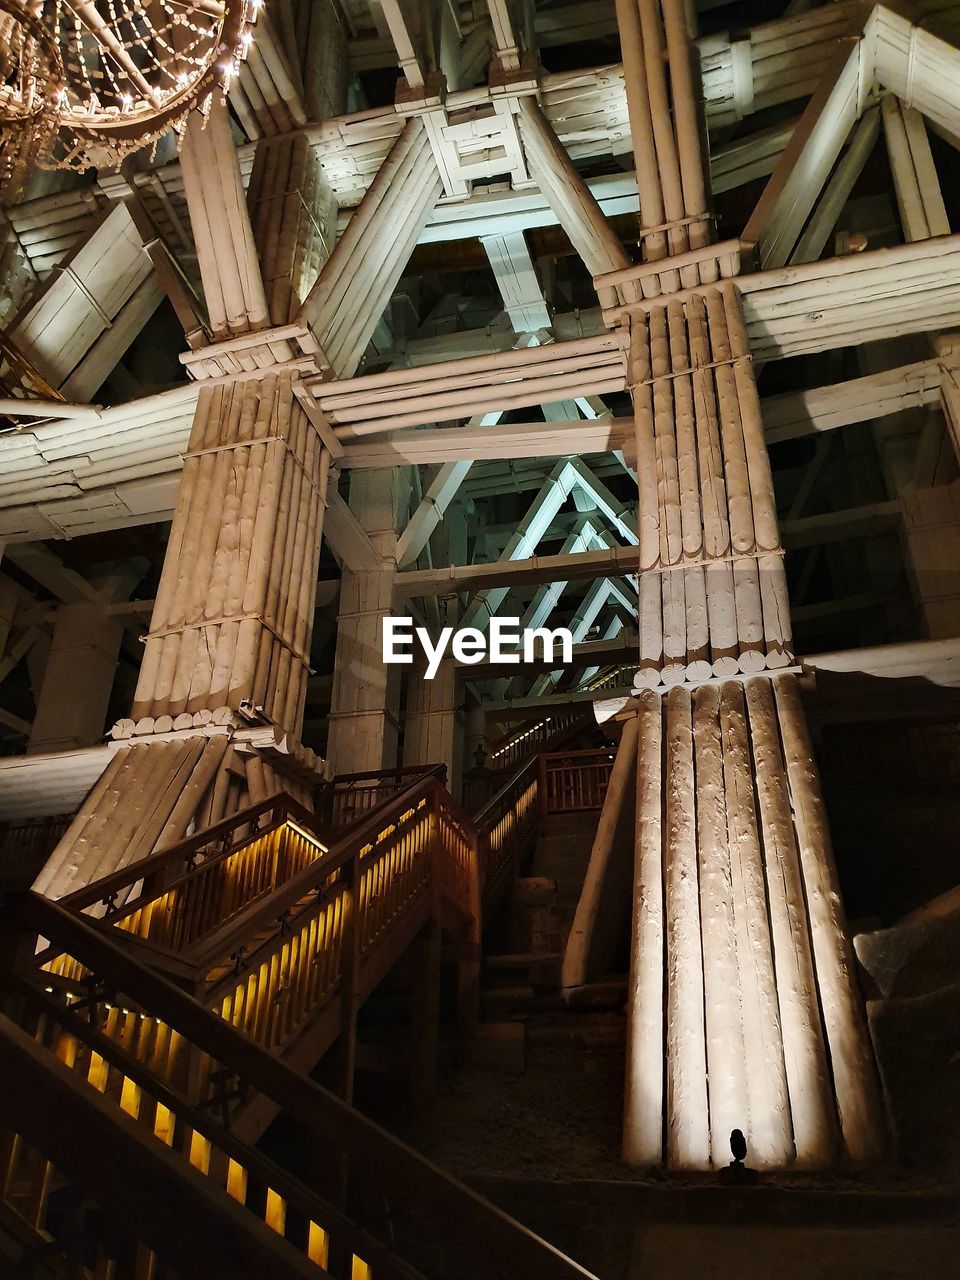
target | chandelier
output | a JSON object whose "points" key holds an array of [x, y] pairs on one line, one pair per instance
{"points": [[85, 82]]}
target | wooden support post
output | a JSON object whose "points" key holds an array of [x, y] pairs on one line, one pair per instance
{"points": [[643, 1089], [854, 1073], [919, 198], [688, 1131], [232, 284], [365, 700], [430, 723]]}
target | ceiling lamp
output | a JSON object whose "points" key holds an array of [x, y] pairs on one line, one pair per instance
{"points": [[85, 82]]}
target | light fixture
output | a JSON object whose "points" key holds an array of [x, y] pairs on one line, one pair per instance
{"points": [[84, 84]]}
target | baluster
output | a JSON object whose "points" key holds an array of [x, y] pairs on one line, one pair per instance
{"points": [[275, 1213], [318, 1245]]}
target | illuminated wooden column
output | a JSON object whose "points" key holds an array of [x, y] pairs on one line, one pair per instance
{"points": [[430, 724], [233, 617], [365, 700], [743, 1009], [736, 918]]}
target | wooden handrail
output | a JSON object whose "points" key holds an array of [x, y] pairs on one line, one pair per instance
{"points": [[400, 772], [491, 811], [302, 1199], [501, 1246], [101, 890], [270, 908], [162, 1200]]}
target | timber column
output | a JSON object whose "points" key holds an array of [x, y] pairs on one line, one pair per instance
{"points": [[215, 723], [742, 1002]]}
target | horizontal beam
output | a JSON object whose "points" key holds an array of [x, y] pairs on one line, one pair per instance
{"points": [[836, 526], [622, 647], [611, 562], [802, 413], [474, 444]]}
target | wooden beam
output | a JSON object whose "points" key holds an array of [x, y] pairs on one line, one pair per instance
{"points": [[568, 195], [919, 199], [777, 221], [801, 413], [346, 537], [835, 526], [837, 191], [348, 298], [821, 306], [514, 440], [609, 562], [85, 299], [232, 285]]}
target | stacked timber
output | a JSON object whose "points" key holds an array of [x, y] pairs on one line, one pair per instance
{"points": [[568, 195], [455, 389], [920, 67], [773, 62], [294, 216], [321, 35], [267, 94], [919, 198], [813, 307], [671, 171], [233, 615], [81, 304], [735, 898], [712, 586], [232, 285], [801, 173], [48, 228], [153, 793], [345, 304], [81, 475]]}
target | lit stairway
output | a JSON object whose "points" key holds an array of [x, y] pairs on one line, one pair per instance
{"points": [[141, 1095], [116, 1165]]}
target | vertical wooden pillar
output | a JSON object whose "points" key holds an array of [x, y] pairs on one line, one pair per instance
{"points": [[365, 703], [233, 616], [430, 722], [739, 954], [725, 927]]}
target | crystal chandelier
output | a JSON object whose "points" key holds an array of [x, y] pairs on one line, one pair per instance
{"points": [[84, 82]]}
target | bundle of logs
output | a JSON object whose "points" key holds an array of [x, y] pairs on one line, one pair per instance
{"points": [[234, 611], [156, 790], [736, 900], [664, 125], [294, 216], [713, 596], [345, 303]]}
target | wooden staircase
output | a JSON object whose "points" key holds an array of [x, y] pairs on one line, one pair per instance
{"points": [[154, 1024]]}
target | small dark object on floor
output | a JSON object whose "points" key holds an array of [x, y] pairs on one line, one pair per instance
{"points": [[736, 1170]]}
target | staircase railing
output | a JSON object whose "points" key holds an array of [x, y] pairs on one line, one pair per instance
{"points": [[505, 823], [349, 796], [279, 934], [389, 1214], [519, 745], [575, 781]]}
